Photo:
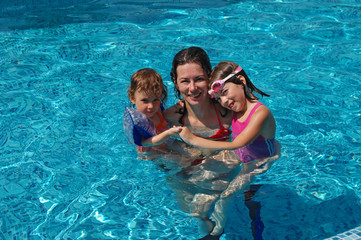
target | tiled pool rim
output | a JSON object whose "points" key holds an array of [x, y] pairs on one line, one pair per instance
{"points": [[348, 235]]}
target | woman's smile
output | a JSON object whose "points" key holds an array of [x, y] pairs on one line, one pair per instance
{"points": [[192, 82]]}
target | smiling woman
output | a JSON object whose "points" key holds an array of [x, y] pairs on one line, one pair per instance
{"points": [[192, 83], [190, 74]]}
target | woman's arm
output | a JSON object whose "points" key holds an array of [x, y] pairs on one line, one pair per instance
{"points": [[257, 124]]}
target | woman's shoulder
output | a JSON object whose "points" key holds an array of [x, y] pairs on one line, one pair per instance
{"points": [[224, 114], [173, 113], [223, 111]]}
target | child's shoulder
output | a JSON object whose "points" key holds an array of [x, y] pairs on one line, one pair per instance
{"points": [[262, 108], [262, 112]]}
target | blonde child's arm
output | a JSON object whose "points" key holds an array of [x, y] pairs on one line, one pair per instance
{"points": [[161, 137], [250, 133]]}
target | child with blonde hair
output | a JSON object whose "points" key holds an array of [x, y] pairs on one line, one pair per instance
{"points": [[147, 92]]}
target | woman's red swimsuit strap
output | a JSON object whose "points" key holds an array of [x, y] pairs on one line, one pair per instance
{"points": [[223, 134]]}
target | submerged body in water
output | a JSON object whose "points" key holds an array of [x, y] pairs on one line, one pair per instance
{"points": [[204, 181]]}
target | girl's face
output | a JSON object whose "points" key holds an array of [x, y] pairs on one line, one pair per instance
{"points": [[232, 97], [192, 83], [147, 104]]}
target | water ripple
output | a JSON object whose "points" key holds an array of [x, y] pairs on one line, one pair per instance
{"points": [[65, 164]]}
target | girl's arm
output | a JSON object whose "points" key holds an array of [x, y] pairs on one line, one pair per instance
{"points": [[249, 134], [161, 137]]}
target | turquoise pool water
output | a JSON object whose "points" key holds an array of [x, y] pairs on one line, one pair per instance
{"points": [[66, 171]]}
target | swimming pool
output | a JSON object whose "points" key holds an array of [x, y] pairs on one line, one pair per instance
{"points": [[66, 171]]}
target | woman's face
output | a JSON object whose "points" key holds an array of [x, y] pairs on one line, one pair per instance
{"points": [[192, 83]]}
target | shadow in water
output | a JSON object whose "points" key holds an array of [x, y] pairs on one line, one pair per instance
{"points": [[280, 213]]}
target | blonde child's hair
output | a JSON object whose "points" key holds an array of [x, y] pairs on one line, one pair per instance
{"points": [[149, 81]]}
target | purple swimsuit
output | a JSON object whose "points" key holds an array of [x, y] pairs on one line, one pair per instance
{"points": [[259, 148]]}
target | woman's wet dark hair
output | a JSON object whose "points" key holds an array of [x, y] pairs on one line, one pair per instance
{"points": [[190, 55], [224, 68]]}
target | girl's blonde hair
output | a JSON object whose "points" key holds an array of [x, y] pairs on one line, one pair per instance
{"points": [[149, 81]]}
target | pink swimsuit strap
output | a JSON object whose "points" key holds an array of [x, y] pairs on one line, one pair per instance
{"points": [[240, 127], [259, 148]]}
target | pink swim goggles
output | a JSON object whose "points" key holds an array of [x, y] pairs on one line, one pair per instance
{"points": [[218, 84]]}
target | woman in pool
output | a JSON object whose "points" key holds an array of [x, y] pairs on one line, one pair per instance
{"points": [[200, 184], [190, 74]]}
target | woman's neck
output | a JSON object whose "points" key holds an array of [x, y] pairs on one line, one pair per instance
{"points": [[200, 112]]}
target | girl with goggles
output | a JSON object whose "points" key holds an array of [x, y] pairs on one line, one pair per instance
{"points": [[253, 130]]}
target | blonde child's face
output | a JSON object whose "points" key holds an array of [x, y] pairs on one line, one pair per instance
{"points": [[147, 104]]}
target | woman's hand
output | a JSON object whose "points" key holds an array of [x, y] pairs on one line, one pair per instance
{"points": [[186, 135], [179, 105]]}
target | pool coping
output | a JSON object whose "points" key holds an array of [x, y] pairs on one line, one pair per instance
{"points": [[352, 234]]}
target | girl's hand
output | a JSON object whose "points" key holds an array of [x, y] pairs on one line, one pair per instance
{"points": [[174, 131]]}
